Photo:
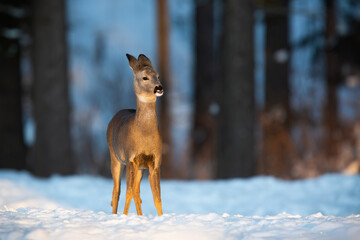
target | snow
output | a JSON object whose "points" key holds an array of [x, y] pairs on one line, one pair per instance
{"points": [[78, 207]]}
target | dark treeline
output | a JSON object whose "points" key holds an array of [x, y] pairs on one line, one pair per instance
{"points": [[330, 145], [233, 135], [44, 23]]}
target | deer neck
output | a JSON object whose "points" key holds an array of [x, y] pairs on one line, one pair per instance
{"points": [[145, 114]]}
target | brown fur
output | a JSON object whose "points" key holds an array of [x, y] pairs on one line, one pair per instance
{"points": [[134, 140]]}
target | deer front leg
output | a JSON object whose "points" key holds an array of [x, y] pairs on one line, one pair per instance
{"points": [[136, 191], [130, 181], [116, 169], [154, 179]]}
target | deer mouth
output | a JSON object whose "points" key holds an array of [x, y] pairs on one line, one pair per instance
{"points": [[159, 91]]}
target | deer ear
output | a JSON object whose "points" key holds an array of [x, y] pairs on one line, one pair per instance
{"points": [[133, 62], [144, 60]]}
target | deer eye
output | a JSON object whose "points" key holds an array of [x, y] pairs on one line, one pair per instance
{"points": [[145, 78]]}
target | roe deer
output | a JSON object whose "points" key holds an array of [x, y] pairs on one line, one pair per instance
{"points": [[134, 140]]}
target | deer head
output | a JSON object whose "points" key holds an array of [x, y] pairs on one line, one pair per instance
{"points": [[146, 80]]}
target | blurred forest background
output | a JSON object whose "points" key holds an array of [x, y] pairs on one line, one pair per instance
{"points": [[268, 87]]}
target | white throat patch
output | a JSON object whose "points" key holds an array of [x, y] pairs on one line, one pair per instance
{"points": [[145, 99]]}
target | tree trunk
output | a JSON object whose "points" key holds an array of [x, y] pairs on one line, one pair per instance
{"points": [[277, 150], [52, 150], [12, 152], [204, 129], [331, 122], [167, 170], [237, 108]]}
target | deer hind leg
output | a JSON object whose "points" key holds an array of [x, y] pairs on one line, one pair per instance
{"points": [[154, 179], [116, 169]]}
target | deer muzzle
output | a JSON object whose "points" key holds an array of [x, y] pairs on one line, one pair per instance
{"points": [[158, 90]]}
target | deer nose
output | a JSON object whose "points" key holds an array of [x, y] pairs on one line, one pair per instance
{"points": [[158, 90]]}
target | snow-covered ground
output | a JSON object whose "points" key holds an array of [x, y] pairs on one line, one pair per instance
{"points": [[78, 207]]}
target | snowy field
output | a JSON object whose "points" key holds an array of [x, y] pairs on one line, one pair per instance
{"points": [[78, 207]]}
